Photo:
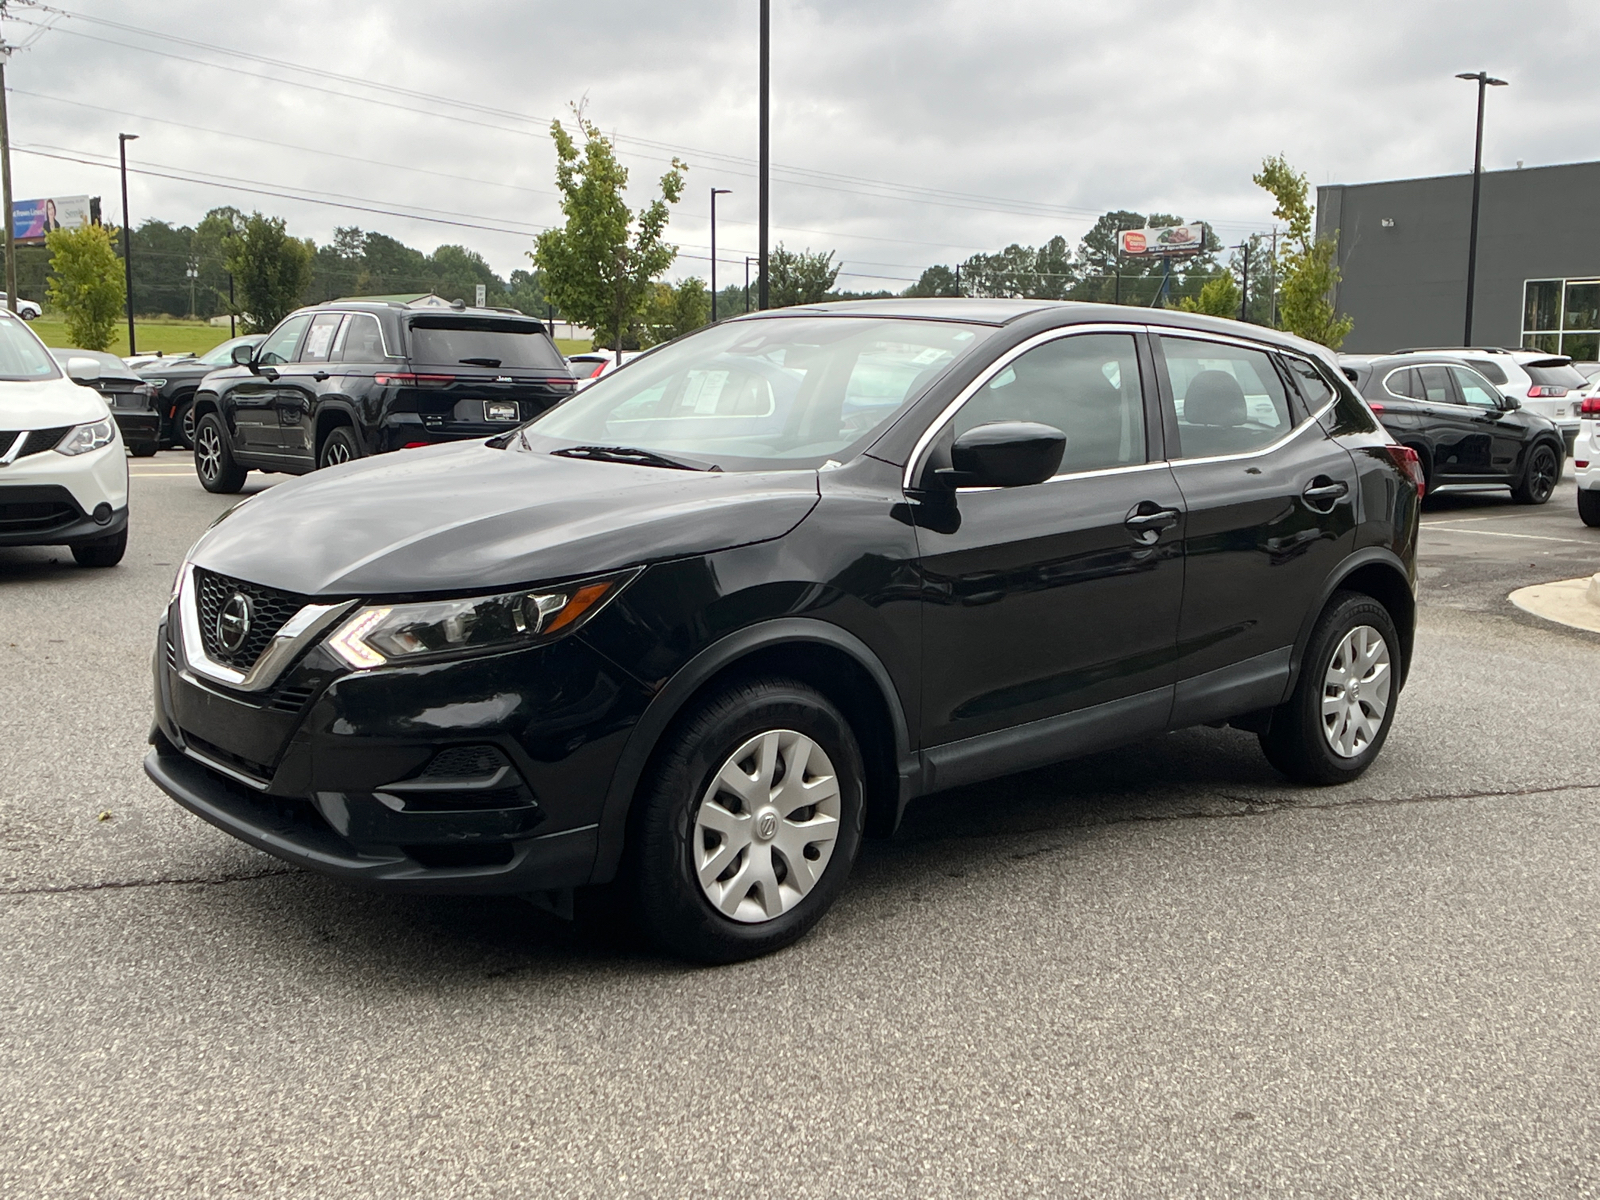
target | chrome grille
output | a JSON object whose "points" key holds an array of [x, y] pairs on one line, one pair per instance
{"points": [[270, 609]]}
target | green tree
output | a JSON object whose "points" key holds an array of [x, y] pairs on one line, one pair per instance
{"points": [[800, 277], [270, 269], [456, 273], [675, 311], [86, 285], [598, 267], [526, 293], [1219, 297], [1307, 273], [161, 256], [937, 280], [206, 248]]}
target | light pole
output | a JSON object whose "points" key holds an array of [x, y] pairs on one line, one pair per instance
{"points": [[748, 259], [127, 236], [5, 186], [715, 192], [766, 92], [1484, 81], [193, 273]]}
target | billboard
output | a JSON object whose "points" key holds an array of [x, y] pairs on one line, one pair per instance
{"points": [[1163, 240], [32, 219]]}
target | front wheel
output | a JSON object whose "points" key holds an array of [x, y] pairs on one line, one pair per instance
{"points": [[1539, 479], [1589, 507], [213, 460], [105, 552], [751, 824], [144, 451], [1338, 718], [183, 425]]}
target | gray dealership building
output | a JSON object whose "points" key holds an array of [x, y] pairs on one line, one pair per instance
{"points": [[1403, 252]]}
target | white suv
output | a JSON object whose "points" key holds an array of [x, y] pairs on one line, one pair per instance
{"points": [[1542, 382], [1586, 460], [63, 470]]}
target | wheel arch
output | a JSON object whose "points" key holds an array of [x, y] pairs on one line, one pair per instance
{"points": [[1376, 572], [834, 661], [331, 415]]}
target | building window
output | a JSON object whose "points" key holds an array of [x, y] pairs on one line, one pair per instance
{"points": [[1562, 316]]}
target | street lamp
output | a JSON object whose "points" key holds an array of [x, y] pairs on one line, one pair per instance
{"points": [[766, 108], [1484, 81], [127, 236], [715, 192], [748, 259]]}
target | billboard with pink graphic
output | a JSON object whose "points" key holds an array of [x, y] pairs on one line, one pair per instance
{"points": [[32, 219]]}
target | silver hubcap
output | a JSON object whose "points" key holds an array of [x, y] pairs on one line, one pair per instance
{"points": [[188, 425], [336, 453], [766, 827], [208, 453], [1355, 691]]}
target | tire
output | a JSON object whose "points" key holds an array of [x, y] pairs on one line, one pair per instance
{"points": [[340, 446], [183, 425], [106, 552], [1589, 507], [213, 460], [144, 451], [1300, 740], [27, 315], [1540, 477], [688, 821]]}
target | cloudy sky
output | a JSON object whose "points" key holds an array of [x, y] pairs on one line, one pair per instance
{"points": [[904, 132]]}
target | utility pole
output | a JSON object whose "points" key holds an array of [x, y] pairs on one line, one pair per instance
{"points": [[1273, 279], [5, 184], [193, 273], [748, 259], [763, 292], [715, 192], [1484, 81], [233, 325], [127, 234], [958, 279], [1244, 297]]}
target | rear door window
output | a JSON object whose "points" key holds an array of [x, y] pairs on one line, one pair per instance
{"points": [[319, 338], [1229, 399], [360, 341], [1435, 385], [508, 345]]}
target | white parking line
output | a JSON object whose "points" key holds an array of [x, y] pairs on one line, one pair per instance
{"points": [[1531, 537]]}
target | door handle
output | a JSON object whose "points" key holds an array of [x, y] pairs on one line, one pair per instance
{"points": [[1146, 521], [321, 377], [1322, 493]]}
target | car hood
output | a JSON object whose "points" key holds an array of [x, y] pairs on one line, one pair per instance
{"points": [[48, 403], [470, 517]]}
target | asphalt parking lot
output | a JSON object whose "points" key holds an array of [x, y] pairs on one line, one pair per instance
{"points": [[1160, 971]]}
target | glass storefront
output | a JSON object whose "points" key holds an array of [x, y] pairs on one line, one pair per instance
{"points": [[1562, 316]]}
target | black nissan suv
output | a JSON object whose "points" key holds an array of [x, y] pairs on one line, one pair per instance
{"points": [[350, 378], [701, 627]]}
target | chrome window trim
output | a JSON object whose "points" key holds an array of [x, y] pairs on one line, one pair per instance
{"points": [[297, 632], [924, 443]]}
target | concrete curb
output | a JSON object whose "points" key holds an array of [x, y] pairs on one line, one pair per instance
{"points": [[1571, 602]]}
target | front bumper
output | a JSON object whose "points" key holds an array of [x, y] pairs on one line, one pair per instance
{"points": [[50, 499], [328, 768]]}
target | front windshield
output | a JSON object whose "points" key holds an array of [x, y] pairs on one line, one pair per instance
{"points": [[222, 356], [21, 355], [769, 393]]}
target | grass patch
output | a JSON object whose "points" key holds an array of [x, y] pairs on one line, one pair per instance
{"points": [[571, 346], [168, 336]]}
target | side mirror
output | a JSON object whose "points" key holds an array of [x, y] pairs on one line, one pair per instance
{"points": [[1509, 403], [244, 355], [1004, 454], [83, 369]]}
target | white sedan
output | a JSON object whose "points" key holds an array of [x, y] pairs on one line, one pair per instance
{"points": [[63, 469], [26, 309]]}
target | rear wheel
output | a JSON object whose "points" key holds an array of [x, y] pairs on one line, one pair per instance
{"points": [[106, 552], [1589, 507], [751, 825], [213, 460], [1540, 477], [1338, 718], [338, 447], [144, 451]]}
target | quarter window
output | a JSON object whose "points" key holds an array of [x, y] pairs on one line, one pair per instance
{"points": [[279, 347], [1404, 383], [1228, 400], [360, 341], [1087, 386]]}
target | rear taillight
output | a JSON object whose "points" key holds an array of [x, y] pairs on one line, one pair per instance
{"points": [[1407, 460], [1545, 391], [414, 379], [598, 368], [1374, 406], [1590, 407]]}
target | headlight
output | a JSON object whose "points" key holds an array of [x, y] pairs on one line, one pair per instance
{"points": [[379, 634], [88, 437], [158, 384]]}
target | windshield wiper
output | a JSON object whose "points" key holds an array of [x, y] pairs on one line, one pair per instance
{"points": [[630, 454], [480, 362]]}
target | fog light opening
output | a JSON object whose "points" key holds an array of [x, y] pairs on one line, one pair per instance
{"points": [[102, 513]]}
